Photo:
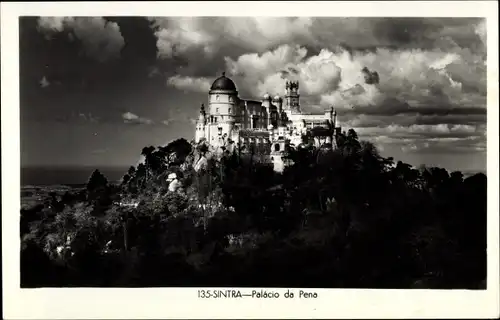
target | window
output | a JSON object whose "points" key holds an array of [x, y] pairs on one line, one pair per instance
{"points": [[229, 110], [276, 147], [217, 110], [217, 97]]}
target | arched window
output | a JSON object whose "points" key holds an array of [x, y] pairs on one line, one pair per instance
{"points": [[277, 147]]}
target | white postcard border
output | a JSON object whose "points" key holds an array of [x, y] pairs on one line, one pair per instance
{"points": [[183, 302]]}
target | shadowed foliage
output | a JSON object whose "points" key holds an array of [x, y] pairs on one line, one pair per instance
{"points": [[346, 218]]}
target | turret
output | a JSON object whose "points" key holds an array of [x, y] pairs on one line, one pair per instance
{"points": [[278, 102], [331, 116], [292, 96], [334, 117], [203, 115], [266, 103], [200, 125], [266, 100]]}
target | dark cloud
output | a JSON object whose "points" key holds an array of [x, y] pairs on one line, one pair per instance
{"points": [[371, 77], [101, 39]]}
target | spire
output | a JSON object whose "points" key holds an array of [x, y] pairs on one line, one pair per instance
{"points": [[223, 73]]}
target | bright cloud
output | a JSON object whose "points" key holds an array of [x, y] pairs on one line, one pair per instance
{"points": [[129, 117], [189, 83], [177, 36], [409, 78]]}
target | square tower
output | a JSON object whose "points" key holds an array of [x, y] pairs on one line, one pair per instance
{"points": [[292, 97]]}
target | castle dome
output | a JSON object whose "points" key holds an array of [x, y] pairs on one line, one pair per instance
{"points": [[223, 83]]}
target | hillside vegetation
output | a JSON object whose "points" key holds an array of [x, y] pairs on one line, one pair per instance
{"points": [[346, 218]]}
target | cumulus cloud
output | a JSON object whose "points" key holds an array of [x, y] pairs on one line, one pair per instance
{"points": [[190, 83], [209, 35], [411, 78], [426, 56], [385, 79], [55, 24], [424, 131], [101, 39], [177, 36], [129, 117], [439, 138], [480, 30]]}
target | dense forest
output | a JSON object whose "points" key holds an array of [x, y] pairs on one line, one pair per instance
{"points": [[342, 218]]}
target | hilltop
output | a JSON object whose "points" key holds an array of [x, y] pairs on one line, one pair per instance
{"points": [[333, 218]]}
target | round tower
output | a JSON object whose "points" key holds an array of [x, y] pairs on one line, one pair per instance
{"points": [[278, 102], [266, 103], [223, 101], [200, 124]]}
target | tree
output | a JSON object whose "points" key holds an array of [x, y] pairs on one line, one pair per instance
{"points": [[352, 145], [131, 171], [147, 152], [96, 181]]}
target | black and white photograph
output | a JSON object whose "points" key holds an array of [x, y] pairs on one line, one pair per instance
{"points": [[342, 152]]}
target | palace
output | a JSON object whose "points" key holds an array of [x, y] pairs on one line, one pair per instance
{"points": [[266, 126]]}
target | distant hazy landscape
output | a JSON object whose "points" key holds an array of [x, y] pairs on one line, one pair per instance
{"points": [[43, 176], [78, 176]]}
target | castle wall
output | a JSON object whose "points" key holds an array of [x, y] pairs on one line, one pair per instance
{"points": [[247, 122]]}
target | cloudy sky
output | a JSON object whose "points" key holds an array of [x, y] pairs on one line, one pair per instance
{"points": [[95, 90]]}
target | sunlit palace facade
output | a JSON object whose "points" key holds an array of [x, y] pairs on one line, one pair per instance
{"points": [[268, 125]]}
